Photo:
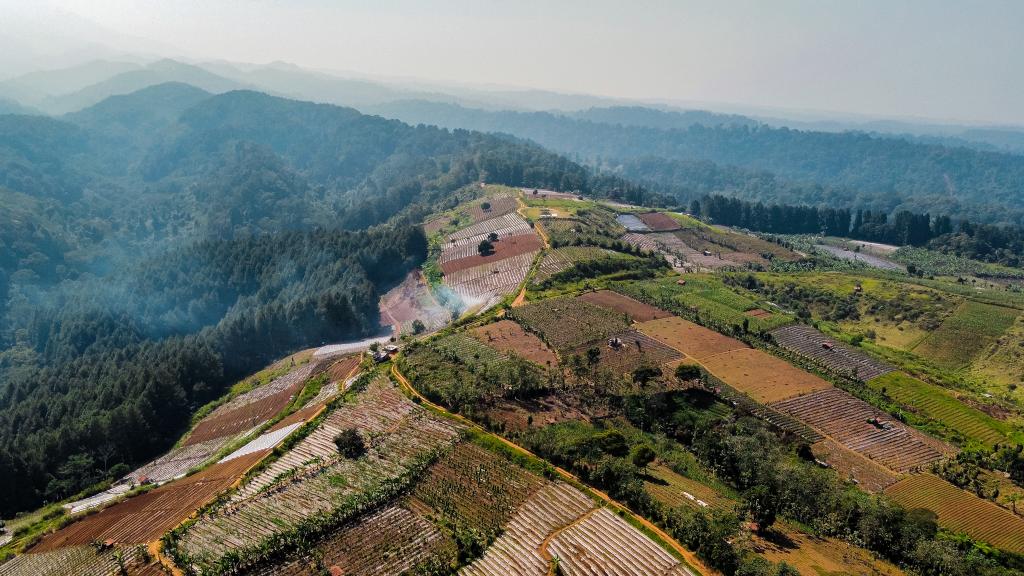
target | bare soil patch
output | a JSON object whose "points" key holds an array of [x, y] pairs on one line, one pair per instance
{"points": [[508, 336], [638, 311], [504, 248], [762, 376], [689, 338]]}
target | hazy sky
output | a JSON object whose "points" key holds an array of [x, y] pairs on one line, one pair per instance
{"points": [[935, 59]]}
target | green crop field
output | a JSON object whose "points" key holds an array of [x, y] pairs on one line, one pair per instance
{"points": [[967, 332], [708, 295], [939, 404]]}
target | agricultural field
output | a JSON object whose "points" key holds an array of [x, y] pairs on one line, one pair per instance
{"points": [[808, 342], [935, 263], [146, 517], [400, 437], [966, 333], [762, 376], [468, 350], [541, 194], [1000, 369], [544, 208], [709, 297], [659, 222], [691, 339], [497, 206], [468, 256], [481, 287], [591, 226], [637, 311], [506, 336], [863, 258], [566, 323], [477, 488], [391, 541], [869, 475], [559, 259], [410, 301], [85, 560], [939, 404], [507, 225], [635, 351], [866, 430], [961, 511], [602, 543], [675, 490]]}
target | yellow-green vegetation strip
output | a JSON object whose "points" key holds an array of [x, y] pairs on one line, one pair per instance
{"points": [[963, 335], [937, 403]]}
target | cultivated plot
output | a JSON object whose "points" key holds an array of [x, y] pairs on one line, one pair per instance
{"points": [[762, 376], [507, 336], [410, 301], [659, 221], [468, 256], [810, 343], [629, 350], [560, 259], [691, 339], [484, 286], [969, 330], [865, 429], [868, 474], [567, 322], [637, 311], [961, 511], [84, 561]]}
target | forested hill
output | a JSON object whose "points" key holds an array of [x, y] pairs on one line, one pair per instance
{"points": [[157, 246], [882, 174]]}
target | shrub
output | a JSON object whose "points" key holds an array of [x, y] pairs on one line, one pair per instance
{"points": [[350, 444]]}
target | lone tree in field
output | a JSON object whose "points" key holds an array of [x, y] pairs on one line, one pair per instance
{"points": [[485, 248], [350, 444], [493, 236], [418, 327], [485, 206]]}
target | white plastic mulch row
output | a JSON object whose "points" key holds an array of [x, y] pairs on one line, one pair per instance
{"points": [[264, 442], [503, 225], [604, 543]]}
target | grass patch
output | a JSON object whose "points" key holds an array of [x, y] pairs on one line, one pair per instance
{"points": [[965, 333]]}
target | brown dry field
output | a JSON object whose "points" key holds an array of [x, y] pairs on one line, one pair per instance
{"points": [[146, 517], [870, 476], [658, 221], [508, 336], [820, 556], [500, 206], [637, 350], [506, 247], [638, 311], [342, 369], [435, 225], [762, 376], [691, 339], [757, 313], [242, 418]]}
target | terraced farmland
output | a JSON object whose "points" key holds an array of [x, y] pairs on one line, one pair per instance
{"points": [[566, 323], [499, 206], [507, 336], [468, 256], [518, 550], [762, 376], [476, 486], [566, 257], [636, 350], [467, 349], [689, 338], [637, 311], [848, 420], [603, 543], [938, 403], [961, 511], [507, 225], [968, 331], [869, 475], [83, 561], [251, 409], [398, 434], [376, 409], [810, 343], [481, 287], [388, 542], [659, 222], [148, 516]]}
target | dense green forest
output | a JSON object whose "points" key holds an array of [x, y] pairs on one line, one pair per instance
{"points": [[158, 246], [761, 163]]}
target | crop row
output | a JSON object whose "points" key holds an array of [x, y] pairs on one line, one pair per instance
{"points": [[865, 429], [503, 226], [808, 342], [517, 551], [961, 511], [564, 258], [567, 323], [78, 560], [476, 486], [396, 432], [634, 350], [388, 542], [603, 543]]}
